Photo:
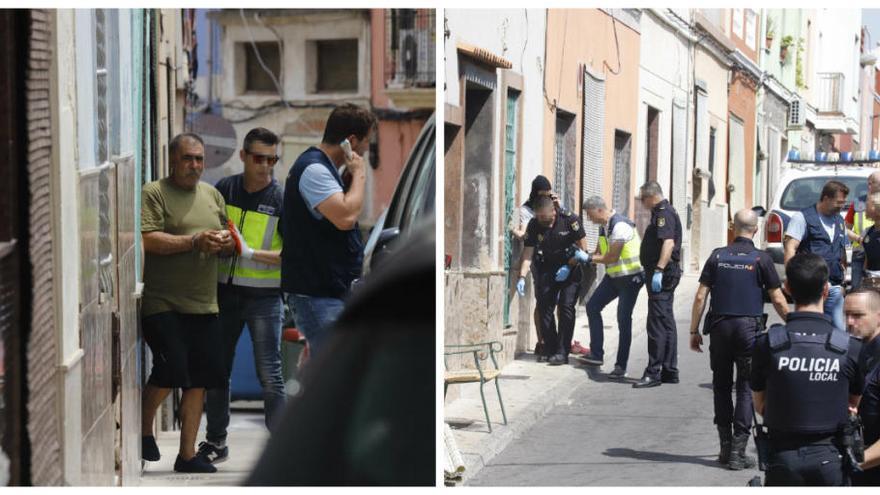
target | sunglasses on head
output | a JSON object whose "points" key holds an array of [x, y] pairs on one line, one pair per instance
{"points": [[261, 159]]}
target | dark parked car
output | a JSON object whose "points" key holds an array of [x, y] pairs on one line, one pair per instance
{"points": [[412, 204]]}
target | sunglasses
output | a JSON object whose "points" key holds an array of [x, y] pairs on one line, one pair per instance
{"points": [[261, 159]]}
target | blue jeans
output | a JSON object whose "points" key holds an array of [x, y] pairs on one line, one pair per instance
{"points": [[834, 306], [627, 289], [263, 317], [314, 316]]}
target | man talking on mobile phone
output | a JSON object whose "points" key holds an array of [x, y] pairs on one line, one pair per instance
{"points": [[323, 248]]}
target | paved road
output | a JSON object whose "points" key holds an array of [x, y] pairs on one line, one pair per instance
{"points": [[609, 434]]}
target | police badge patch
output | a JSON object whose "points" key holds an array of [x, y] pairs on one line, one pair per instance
{"points": [[661, 222], [540, 237], [575, 226]]}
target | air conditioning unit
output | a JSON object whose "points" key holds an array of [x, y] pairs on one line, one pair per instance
{"points": [[797, 117], [415, 54]]}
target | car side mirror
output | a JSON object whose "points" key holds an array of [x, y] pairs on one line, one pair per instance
{"points": [[759, 210], [387, 235]]}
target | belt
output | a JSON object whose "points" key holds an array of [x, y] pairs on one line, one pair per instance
{"points": [[792, 441]]}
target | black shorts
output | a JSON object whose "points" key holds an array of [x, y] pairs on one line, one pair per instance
{"points": [[187, 350]]}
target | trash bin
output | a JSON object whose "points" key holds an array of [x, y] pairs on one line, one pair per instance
{"points": [[293, 352]]}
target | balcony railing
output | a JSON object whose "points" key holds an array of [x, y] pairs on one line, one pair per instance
{"points": [[830, 92], [410, 48]]}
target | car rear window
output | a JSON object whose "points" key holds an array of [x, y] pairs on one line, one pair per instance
{"points": [[803, 193]]}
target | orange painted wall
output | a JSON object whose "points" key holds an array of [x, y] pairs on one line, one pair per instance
{"points": [[586, 36]]}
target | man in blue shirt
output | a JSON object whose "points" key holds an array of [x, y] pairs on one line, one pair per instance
{"points": [[323, 249], [820, 230]]}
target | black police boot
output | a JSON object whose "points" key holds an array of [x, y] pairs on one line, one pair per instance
{"points": [[725, 437], [738, 458]]}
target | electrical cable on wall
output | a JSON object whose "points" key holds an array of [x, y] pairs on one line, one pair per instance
{"points": [[259, 58], [616, 44]]}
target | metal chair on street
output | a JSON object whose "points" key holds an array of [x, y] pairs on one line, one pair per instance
{"points": [[480, 351]]}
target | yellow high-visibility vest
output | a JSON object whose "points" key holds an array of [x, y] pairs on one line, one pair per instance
{"points": [[628, 263], [260, 231]]}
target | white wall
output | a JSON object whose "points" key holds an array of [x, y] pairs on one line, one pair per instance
{"points": [[663, 77], [518, 35], [67, 245], [838, 51]]}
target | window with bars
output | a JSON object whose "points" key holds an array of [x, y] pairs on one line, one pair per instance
{"points": [[410, 41], [564, 180]]}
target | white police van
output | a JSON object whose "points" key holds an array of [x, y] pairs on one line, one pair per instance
{"points": [[800, 185]]}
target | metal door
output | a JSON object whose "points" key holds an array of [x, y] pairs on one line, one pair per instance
{"points": [[509, 195]]}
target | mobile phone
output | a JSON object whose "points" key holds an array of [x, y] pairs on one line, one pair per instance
{"points": [[346, 147]]}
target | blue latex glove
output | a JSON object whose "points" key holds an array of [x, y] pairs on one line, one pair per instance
{"points": [[562, 273], [657, 282], [582, 257], [521, 287]]}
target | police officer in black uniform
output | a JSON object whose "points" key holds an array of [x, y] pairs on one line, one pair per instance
{"points": [[805, 379], [556, 239], [737, 276], [660, 254]]}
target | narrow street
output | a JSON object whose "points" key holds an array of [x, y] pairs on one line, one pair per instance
{"points": [[609, 434]]}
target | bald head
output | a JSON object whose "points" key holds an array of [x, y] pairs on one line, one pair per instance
{"points": [[862, 310], [745, 223], [874, 182]]}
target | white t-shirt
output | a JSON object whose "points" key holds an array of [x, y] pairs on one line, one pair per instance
{"points": [[623, 232], [797, 226]]}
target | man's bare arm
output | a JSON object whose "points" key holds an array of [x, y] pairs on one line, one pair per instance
{"points": [[268, 257], [666, 252], [791, 244], [162, 243], [343, 209], [613, 254], [758, 401], [699, 306], [526, 261], [779, 302]]}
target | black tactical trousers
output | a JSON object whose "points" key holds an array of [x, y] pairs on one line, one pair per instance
{"points": [[811, 465], [661, 330], [730, 345], [564, 295]]}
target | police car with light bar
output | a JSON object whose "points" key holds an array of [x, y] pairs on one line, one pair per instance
{"points": [[800, 185]]}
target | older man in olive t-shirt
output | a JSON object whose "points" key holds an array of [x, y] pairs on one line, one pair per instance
{"points": [[183, 227]]}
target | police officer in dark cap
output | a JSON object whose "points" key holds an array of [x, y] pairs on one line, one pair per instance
{"points": [[555, 239], [660, 255], [805, 381], [737, 276]]}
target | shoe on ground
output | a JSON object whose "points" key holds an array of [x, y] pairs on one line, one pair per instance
{"points": [[618, 373], [669, 378], [212, 453], [577, 348], [539, 349], [149, 449], [592, 360], [647, 382], [197, 464], [557, 360], [541, 358]]}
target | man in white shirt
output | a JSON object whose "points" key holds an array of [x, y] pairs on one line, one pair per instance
{"points": [[618, 250]]}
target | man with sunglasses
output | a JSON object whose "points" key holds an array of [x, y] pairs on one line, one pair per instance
{"points": [[249, 284]]}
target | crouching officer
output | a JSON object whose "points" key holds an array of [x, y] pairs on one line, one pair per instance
{"points": [[805, 380], [551, 237], [660, 254], [736, 276]]}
